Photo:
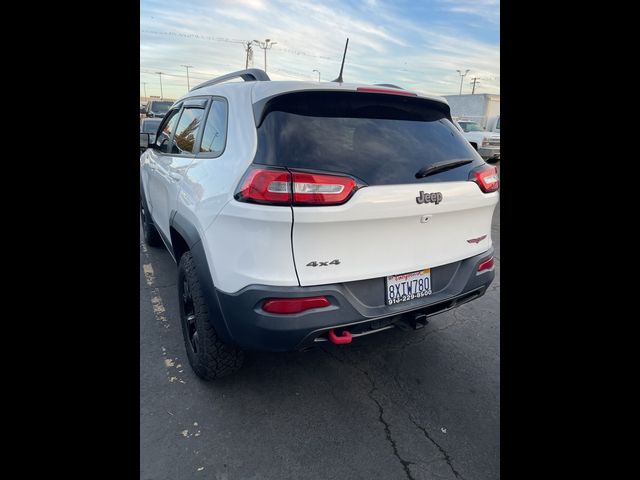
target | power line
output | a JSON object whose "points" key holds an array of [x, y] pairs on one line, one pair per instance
{"points": [[180, 73], [179, 76], [199, 36], [161, 94], [187, 67]]}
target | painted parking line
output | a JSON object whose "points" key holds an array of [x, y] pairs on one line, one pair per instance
{"points": [[173, 367]]}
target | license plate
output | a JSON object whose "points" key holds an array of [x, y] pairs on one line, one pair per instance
{"points": [[408, 286]]}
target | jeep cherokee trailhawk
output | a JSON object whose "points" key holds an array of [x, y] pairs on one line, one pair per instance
{"points": [[305, 212]]}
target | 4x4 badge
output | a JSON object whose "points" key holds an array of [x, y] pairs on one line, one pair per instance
{"points": [[429, 197]]}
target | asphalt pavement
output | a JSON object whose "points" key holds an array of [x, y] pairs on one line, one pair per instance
{"points": [[395, 405]]}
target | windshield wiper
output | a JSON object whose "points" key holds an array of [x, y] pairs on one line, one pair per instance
{"points": [[440, 167]]}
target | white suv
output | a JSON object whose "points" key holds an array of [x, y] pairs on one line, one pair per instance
{"points": [[305, 212]]}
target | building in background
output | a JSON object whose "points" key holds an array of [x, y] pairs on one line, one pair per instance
{"points": [[144, 99]]}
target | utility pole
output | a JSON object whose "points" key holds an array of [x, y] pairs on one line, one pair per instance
{"points": [[266, 45], [144, 85], [318, 73], [161, 94], [249, 51], [475, 80], [187, 67], [462, 75]]}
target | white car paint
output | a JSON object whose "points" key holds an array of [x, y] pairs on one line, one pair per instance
{"points": [[379, 231], [250, 244], [376, 233], [267, 89]]}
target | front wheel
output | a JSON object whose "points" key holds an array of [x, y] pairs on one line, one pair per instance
{"points": [[209, 357]]}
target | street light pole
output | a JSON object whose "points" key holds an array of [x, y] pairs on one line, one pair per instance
{"points": [[266, 45], [187, 67], [462, 75], [161, 94], [318, 73], [144, 85]]}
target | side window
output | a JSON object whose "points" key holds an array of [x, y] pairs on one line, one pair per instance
{"points": [[162, 142], [214, 136], [187, 130]]}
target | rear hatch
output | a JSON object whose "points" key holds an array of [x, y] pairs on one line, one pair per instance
{"points": [[394, 221], [492, 140]]}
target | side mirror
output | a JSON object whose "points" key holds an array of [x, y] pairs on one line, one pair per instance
{"points": [[144, 141]]}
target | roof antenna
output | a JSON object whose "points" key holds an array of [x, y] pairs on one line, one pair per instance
{"points": [[339, 79]]}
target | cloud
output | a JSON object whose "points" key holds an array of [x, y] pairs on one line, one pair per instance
{"points": [[416, 47], [488, 10]]}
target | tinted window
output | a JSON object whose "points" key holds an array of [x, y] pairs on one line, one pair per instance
{"points": [[380, 139], [161, 107], [215, 130], [187, 130], [149, 126], [168, 127], [471, 127]]}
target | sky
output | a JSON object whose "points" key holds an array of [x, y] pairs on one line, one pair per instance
{"points": [[416, 44]]}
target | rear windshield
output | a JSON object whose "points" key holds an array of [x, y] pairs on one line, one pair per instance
{"points": [[160, 107], [379, 139], [471, 127]]}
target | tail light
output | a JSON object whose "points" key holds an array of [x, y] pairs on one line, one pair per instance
{"points": [[314, 189], [269, 186], [486, 265], [282, 187], [486, 177], [294, 305]]}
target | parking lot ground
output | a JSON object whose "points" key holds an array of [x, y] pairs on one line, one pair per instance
{"points": [[395, 405]]}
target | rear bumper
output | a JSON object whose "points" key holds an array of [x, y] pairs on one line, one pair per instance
{"points": [[489, 153], [359, 306]]}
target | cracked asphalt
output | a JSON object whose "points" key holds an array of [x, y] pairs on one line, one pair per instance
{"points": [[394, 405]]}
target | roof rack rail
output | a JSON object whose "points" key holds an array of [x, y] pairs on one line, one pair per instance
{"points": [[249, 75], [388, 85]]}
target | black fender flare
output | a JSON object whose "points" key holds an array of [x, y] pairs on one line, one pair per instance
{"points": [[190, 234], [143, 200]]}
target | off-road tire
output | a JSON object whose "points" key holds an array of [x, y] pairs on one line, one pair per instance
{"points": [[209, 357]]}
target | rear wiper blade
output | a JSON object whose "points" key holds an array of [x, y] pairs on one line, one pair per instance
{"points": [[440, 167]]}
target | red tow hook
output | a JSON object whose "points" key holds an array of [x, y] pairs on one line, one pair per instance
{"points": [[340, 340]]}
